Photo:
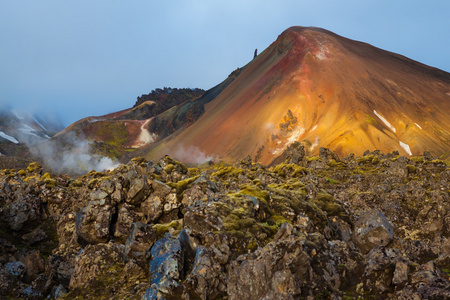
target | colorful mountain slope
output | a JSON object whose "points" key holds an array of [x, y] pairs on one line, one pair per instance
{"points": [[322, 90]]}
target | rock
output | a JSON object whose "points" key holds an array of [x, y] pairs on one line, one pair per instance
{"points": [[278, 271], [152, 208], [206, 278], [16, 269], [35, 236], [33, 263], [92, 261], [138, 190], [139, 242], [168, 265], [24, 212], [160, 189], [401, 273], [93, 222], [372, 229], [125, 218]]}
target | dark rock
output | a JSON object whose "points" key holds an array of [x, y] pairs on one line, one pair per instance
{"points": [[92, 261], [16, 269], [93, 222], [140, 241], [372, 229], [152, 208]]}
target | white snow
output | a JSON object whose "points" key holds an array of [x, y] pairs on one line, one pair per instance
{"points": [[418, 125], [39, 123], [315, 144], [314, 128], [384, 121], [405, 147], [28, 130], [322, 53], [8, 137]]}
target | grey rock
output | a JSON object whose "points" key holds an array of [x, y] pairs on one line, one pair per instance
{"points": [[372, 229], [93, 223]]}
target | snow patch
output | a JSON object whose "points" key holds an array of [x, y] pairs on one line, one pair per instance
{"points": [[18, 114], [384, 121], [405, 147], [315, 144], [314, 128], [418, 125], [39, 123], [295, 136], [8, 137], [28, 130]]}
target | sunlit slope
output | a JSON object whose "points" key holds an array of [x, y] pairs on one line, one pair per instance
{"points": [[323, 90]]}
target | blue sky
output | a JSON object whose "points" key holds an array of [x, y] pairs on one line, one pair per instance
{"points": [[80, 58]]}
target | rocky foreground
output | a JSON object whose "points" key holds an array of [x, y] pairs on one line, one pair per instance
{"points": [[376, 226]]}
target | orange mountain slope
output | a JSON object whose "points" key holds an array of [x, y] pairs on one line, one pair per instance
{"points": [[322, 90]]}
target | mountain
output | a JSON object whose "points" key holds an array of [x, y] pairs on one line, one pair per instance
{"points": [[311, 86], [125, 131], [20, 130], [322, 90]]}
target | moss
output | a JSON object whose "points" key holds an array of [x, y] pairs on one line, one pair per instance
{"points": [[22, 173], [332, 181], [313, 158], [417, 159], [365, 158], [76, 183], [289, 169], [446, 271], [411, 169], [254, 191], [34, 166], [161, 229], [227, 172], [326, 202], [92, 183], [169, 168], [49, 182]]}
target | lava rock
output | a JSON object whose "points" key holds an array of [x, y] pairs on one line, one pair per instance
{"points": [[372, 229]]}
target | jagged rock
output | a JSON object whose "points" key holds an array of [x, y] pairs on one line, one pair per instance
{"points": [[401, 272], [278, 271], [168, 265], [139, 242], [372, 229], [25, 211], [152, 208], [92, 261], [93, 222], [126, 217], [160, 189], [138, 190], [206, 278]]}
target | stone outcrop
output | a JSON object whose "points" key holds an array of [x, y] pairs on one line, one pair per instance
{"points": [[376, 226]]}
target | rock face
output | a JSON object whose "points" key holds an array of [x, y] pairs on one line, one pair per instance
{"points": [[320, 227]]}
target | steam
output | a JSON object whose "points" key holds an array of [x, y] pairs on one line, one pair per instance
{"points": [[72, 155], [191, 154]]}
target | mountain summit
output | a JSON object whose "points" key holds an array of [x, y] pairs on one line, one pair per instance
{"points": [[310, 86]]}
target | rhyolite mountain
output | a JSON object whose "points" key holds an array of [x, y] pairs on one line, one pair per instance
{"points": [[310, 86]]}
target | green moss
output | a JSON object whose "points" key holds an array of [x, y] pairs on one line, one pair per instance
{"points": [[22, 173], [34, 166], [326, 202], [411, 169], [446, 271], [332, 181], [417, 159], [169, 168], [161, 229], [254, 191], [313, 158], [76, 183], [227, 172], [49, 182], [289, 169]]}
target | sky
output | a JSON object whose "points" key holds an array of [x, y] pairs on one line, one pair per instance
{"points": [[80, 58]]}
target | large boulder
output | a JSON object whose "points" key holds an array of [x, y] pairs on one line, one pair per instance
{"points": [[372, 229], [93, 222]]}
